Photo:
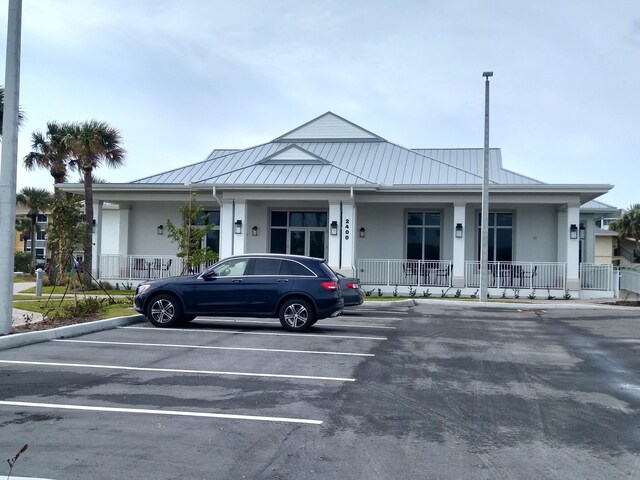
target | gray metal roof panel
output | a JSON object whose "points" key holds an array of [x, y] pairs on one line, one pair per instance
{"points": [[382, 163], [471, 160]]}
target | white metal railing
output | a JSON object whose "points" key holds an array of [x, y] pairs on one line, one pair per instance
{"points": [[630, 280], [420, 273], [525, 275], [596, 276], [142, 267]]}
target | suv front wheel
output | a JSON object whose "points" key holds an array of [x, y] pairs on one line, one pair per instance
{"points": [[164, 310], [296, 315]]}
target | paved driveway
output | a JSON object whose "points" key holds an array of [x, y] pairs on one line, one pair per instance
{"points": [[403, 392]]}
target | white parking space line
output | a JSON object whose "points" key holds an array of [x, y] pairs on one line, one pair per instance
{"points": [[238, 332], [177, 370], [322, 324], [172, 345], [161, 412]]}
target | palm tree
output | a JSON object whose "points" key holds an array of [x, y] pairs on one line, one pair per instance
{"points": [[20, 113], [93, 144], [36, 201], [50, 151]]}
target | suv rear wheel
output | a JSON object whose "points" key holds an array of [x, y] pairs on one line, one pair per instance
{"points": [[296, 315]]}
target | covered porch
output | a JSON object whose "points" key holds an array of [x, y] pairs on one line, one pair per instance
{"points": [[509, 279]]}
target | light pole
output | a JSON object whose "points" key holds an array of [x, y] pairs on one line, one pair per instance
{"points": [[8, 163], [484, 222]]}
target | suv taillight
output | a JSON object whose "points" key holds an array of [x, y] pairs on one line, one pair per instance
{"points": [[329, 285], [352, 285]]}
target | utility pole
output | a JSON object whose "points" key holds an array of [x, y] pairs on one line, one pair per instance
{"points": [[9, 164], [484, 227]]}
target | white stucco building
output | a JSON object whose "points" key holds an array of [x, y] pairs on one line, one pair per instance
{"points": [[387, 214]]}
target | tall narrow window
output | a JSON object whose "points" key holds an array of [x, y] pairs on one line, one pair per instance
{"points": [[500, 236], [211, 217], [423, 236]]}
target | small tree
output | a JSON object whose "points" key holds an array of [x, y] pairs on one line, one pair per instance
{"points": [[190, 234], [65, 231]]}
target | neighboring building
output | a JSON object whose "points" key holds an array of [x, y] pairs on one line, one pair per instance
{"points": [[42, 222], [388, 214], [624, 252]]}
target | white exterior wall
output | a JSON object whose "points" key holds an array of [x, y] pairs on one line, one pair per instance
{"points": [[111, 232], [535, 231], [144, 221], [258, 216], [384, 225]]}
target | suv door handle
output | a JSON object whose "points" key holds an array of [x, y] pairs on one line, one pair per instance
{"points": [[236, 281], [283, 280]]}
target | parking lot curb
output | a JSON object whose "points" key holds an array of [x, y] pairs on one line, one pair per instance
{"points": [[28, 338], [390, 303], [506, 305]]}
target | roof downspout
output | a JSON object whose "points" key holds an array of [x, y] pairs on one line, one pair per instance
{"points": [[215, 196]]}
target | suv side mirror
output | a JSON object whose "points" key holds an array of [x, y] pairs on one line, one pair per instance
{"points": [[209, 275]]}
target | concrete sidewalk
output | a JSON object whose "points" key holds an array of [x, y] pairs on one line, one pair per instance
{"points": [[19, 317]]}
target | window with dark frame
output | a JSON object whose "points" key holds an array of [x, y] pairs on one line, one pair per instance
{"points": [[423, 235], [500, 236]]}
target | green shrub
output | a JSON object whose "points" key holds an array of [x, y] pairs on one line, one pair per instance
{"points": [[22, 262]]}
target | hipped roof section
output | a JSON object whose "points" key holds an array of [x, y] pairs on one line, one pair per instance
{"points": [[330, 151]]}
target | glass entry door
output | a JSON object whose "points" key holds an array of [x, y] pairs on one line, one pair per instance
{"points": [[308, 242]]}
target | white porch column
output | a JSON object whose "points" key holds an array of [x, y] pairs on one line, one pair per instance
{"points": [[457, 276], [123, 231], [96, 242], [239, 239], [347, 237], [573, 248], [226, 229], [333, 257]]}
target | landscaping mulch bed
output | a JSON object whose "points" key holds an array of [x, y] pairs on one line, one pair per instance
{"points": [[48, 323], [625, 303]]}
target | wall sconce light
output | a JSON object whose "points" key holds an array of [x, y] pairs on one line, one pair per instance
{"points": [[573, 231], [254, 231], [458, 230], [363, 232], [582, 232], [238, 225], [160, 230], [334, 228]]}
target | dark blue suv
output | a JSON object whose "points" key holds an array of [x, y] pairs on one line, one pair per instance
{"points": [[299, 290]]}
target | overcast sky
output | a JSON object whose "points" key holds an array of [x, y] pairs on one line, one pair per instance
{"points": [[180, 78]]}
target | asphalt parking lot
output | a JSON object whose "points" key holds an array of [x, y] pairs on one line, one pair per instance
{"points": [[426, 391]]}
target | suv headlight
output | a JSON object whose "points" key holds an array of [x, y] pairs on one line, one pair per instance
{"points": [[143, 288]]}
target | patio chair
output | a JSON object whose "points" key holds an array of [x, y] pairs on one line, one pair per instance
{"points": [[441, 275], [166, 267], [411, 269], [528, 275]]}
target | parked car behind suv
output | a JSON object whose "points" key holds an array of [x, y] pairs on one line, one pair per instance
{"points": [[351, 291], [298, 290]]}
